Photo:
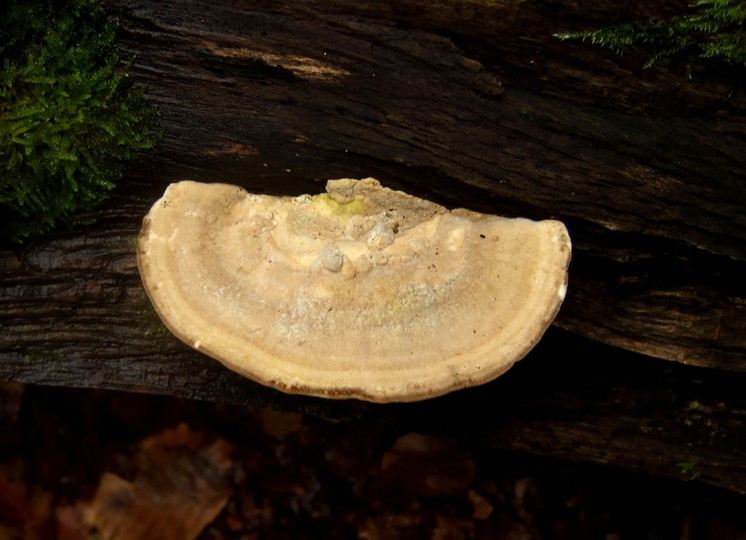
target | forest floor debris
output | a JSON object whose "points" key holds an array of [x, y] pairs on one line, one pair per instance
{"points": [[84, 465]]}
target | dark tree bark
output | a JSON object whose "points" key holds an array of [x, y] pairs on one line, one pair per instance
{"points": [[470, 104]]}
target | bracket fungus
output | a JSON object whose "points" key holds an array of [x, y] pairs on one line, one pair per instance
{"points": [[361, 292]]}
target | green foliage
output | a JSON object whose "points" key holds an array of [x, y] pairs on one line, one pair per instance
{"points": [[69, 115], [714, 29], [689, 469]]}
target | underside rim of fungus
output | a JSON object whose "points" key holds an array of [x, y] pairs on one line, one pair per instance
{"points": [[362, 292]]}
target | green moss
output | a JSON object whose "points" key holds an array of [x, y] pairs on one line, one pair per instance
{"points": [[41, 355], [157, 330], [151, 322], [713, 29], [70, 118], [689, 469]]}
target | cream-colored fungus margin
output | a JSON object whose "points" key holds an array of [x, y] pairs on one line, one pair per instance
{"points": [[361, 292]]}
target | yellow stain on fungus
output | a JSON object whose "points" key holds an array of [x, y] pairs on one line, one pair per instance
{"points": [[325, 205]]}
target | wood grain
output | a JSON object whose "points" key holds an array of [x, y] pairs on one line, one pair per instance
{"points": [[477, 107]]}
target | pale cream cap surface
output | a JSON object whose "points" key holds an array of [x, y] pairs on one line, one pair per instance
{"points": [[362, 292]]}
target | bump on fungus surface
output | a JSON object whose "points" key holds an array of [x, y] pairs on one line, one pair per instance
{"points": [[361, 292]]}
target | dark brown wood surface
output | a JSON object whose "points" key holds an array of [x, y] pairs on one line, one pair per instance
{"points": [[478, 106], [469, 104]]}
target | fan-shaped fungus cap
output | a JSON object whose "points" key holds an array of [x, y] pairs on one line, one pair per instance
{"points": [[361, 292]]}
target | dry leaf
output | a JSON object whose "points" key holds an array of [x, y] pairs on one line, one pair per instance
{"points": [[179, 489], [71, 522], [424, 465], [25, 511]]}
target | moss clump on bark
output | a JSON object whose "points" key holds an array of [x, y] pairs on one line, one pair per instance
{"points": [[70, 117], [713, 29]]}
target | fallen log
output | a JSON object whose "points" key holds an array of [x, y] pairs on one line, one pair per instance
{"points": [[473, 105]]}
